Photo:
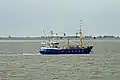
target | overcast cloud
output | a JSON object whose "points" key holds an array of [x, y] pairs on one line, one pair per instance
{"points": [[30, 17]]}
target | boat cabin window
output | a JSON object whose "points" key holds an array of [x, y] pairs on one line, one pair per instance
{"points": [[55, 45]]}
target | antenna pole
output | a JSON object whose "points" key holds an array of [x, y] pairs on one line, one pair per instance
{"points": [[80, 34], [68, 41]]}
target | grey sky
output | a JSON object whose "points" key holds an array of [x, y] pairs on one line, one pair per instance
{"points": [[30, 17]]}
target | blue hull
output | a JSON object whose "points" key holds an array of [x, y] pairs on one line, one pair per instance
{"points": [[66, 51]]}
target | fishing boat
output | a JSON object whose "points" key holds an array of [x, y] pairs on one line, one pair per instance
{"points": [[52, 47]]}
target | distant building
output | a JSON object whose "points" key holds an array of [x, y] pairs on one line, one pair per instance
{"points": [[108, 37], [88, 37], [118, 37], [99, 37], [9, 36]]}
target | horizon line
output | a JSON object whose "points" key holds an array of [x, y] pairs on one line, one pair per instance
{"points": [[61, 36]]}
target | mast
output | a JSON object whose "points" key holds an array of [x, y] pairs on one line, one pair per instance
{"points": [[51, 32], [80, 34], [68, 41]]}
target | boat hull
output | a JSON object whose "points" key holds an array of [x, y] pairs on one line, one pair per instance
{"points": [[50, 51]]}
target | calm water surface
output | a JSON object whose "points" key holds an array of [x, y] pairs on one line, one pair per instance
{"points": [[20, 60]]}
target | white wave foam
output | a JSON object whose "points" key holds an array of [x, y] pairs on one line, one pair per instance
{"points": [[31, 54]]}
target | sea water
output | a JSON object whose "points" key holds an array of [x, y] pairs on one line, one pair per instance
{"points": [[20, 60]]}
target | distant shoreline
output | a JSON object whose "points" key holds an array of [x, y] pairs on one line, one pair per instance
{"points": [[61, 38]]}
